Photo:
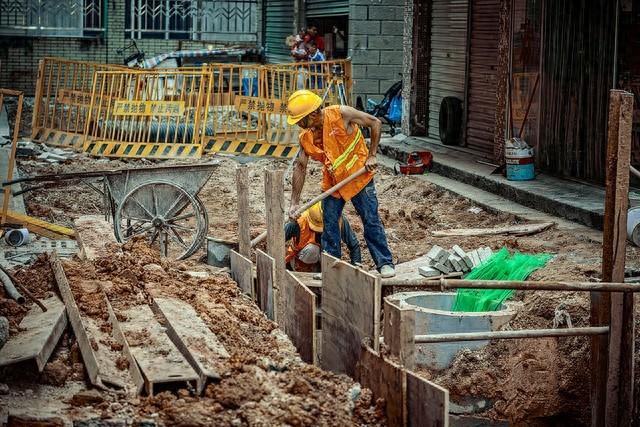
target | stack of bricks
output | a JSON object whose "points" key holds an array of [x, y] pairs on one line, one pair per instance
{"points": [[375, 45], [442, 261]]}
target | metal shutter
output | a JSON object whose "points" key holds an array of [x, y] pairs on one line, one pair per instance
{"points": [[448, 56], [321, 8], [483, 63], [278, 25]]}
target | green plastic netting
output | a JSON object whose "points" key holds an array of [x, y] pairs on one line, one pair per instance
{"points": [[500, 266]]}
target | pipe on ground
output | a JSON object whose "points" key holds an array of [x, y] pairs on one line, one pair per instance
{"points": [[10, 289], [526, 333]]}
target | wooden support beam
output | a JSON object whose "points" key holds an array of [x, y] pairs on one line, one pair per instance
{"points": [[79, 330], [242, 272], [399, 331], [12, 155], [300, 317], [244, 224], [427, 403], [274, 200], [193, 338], [38, 336], [266, 267], [612, 359], [386, 380], [350, 314], [161, 363]]}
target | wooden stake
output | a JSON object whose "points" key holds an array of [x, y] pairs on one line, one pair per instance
{"points": [[612, 359], [274, 200], [244, 232], [12, 156]]}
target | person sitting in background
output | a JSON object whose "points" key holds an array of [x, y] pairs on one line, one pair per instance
{"points": [[297, 45], [303, 251]]}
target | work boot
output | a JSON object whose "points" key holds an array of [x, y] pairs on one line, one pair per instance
{"points": [[387, 271]]}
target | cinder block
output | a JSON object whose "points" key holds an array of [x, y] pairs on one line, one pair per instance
{"points": [[358, 41], [359, 12], [429, 272], [435, 253], [391, 57], [385, 42], [364, 27], [455, 263], [474, 257], [386, 12], [365, 56], [365, 86], [458, 251], [392, 28], [441, 267]]}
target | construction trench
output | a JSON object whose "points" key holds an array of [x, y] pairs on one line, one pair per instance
{"points": [[132, 337]]}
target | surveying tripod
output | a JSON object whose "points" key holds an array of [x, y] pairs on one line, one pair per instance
{"points": [[336, 83]]}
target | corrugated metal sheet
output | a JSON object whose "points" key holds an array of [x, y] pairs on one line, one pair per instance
{"points": [[482, 74], [448, 56], [321, 8], [278, 25]]}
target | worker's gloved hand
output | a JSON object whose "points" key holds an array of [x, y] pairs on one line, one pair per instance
{"points": [[292, 212], [371, 164]]}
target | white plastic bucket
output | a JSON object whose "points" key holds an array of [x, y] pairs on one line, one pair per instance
{"points": [[633, 225]]}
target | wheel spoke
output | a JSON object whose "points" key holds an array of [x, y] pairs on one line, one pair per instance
{"points": [[132, 228], [149, 214], [173, 206], [143, 230], [180, 227], [177, 238], [154, 237], [181, 217], [155, 200]]}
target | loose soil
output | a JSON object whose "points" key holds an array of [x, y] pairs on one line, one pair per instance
{"points": [[532, 382]]}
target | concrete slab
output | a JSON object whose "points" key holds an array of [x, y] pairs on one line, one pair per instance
{"points": [[572, 200]]}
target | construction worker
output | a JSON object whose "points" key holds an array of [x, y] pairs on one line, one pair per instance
{"points": [[333, 137], [304, 237]]}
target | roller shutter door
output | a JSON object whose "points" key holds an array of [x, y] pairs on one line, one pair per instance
{"points": [[322, 8], [278, 25], [483, 64], [448, 56]]}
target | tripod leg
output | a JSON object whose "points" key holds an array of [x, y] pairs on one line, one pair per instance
{"points": [[326, 92]]}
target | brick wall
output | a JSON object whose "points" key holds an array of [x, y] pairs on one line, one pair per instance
{"points": [[376, 29], [19, 56]]}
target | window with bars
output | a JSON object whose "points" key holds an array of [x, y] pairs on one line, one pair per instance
{"points": [[37, 18], [192, 19]]}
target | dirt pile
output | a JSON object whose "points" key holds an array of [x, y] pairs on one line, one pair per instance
{"points": [[262, 383]]}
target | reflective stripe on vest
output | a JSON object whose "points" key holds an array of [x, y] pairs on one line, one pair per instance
{"points": [[345, 155]]}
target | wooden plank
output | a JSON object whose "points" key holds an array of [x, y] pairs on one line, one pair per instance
{"points": [[266, 267], [12, 155], [73, 313], [300, 317], [159, 359], [244, 229], [518, 230], [93, 234], [386, 380], [274, 203], [38, 336], [612, 359], [242, 272], [427, 403], [134, 369], [350, 314], [193, 338], [399, 332]]}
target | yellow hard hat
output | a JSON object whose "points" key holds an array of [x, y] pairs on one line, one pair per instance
{"points": [[301, 103], [314, 217]]}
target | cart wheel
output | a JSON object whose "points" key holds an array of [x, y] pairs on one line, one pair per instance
{"points": [[171, 219]]}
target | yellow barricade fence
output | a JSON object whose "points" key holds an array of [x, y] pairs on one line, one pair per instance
{"points": [[62, 100], [239, 109]]}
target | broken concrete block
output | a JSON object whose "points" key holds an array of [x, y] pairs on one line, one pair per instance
{"points": [[455, 262], [436, 253], [429, 271], [87, 398], [484, 253], [444, 256], [458, 251], [475, 259], [441, 267]]}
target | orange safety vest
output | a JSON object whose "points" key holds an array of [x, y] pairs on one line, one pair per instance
{"points": [[307, 235], [342, 154]]}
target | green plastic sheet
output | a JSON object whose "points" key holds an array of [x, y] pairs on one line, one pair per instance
{"points": [[500, 266]]}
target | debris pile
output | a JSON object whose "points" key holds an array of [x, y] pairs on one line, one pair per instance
{"points": [[441, 261]]}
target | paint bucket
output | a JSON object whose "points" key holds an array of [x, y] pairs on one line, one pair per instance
{"points": [[633, 225], [16, 236], [519, 160]]}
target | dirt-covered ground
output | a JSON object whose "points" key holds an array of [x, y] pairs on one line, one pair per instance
{"points": [[528, 381], [263, 382]]}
